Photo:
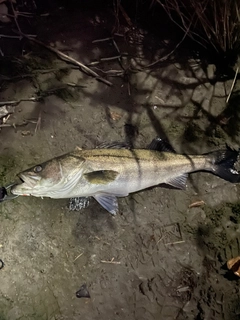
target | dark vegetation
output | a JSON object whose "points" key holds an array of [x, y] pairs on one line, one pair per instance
{"points": [[207, 29]]}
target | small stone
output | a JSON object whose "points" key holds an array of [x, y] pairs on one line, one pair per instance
{"points": [[211, 69], [83, 292]]}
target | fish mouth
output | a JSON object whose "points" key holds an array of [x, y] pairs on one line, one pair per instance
{"points": [[28, 181]]}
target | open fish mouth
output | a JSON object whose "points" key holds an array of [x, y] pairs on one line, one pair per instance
{"points": [[28, 182]]}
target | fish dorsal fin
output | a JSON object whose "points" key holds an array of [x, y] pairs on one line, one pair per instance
{"points": [[101, 176], [114, 145], [178, 182], [108, 202], [160, 144]]}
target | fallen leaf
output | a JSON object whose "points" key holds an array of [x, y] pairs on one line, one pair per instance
{"points": [[196, 204], [25, 133], [234, 265], [114, 115]]}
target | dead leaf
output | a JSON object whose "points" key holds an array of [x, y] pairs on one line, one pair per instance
{"points": [[113, 115], [197, 204], [234, 265], [25, 133]]}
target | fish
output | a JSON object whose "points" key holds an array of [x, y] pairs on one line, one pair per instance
{"points": [[113, 171]]}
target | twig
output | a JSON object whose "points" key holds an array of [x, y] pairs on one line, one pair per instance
{"points": [[65, 57], [119, 35], [110, 58], [38, 124], [15, 17], [111, 261], [126, 17], [10, 37], [175, 242], [129, 89], [233, 83], [94, 63], [111, 73], [75, 85], [78, 257], [116, 46], [101, 40], [23, 14], [169, 54], [3, 103]]}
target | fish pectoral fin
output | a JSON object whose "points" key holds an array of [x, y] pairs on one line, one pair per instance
{"points": [[101, 176], [108, 202], [160, 144], [179, 182]]}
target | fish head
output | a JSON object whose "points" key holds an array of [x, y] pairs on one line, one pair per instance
{"points": [[49, 179]]}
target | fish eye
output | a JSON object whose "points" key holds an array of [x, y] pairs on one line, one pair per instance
{"points": [[37, 169]]}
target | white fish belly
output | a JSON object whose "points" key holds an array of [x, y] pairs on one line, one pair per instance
{"points": [[125, 183]]}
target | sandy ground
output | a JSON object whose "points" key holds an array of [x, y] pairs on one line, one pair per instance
{"points": [[158, 258]]}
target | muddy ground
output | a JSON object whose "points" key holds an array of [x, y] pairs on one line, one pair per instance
{"points": [[158, 258]]}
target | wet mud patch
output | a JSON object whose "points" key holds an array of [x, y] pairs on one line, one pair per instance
{"points": [[217, 241]]}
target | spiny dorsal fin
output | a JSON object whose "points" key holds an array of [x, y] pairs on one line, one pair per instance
{"points": [[101, 176], [160, 144], [114, 145]]}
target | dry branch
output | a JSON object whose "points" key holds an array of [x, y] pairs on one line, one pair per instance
{"points": [[66, 58], [232, 86], [211, 23]]}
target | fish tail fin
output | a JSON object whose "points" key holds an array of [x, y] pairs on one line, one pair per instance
{"points": [[222, 164]]}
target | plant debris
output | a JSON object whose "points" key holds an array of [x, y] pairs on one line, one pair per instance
{"points": [[234, 265], [196, 204]]}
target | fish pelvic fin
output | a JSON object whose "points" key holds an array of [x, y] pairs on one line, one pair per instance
{"points": [[108, 202], [222, 164]]}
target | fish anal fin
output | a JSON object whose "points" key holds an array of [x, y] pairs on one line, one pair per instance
{"points": [[160, 144], [101, 176], [108, 202], [178, 182]]}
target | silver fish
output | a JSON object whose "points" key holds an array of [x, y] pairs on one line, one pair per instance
{"points": [[111, 172]]}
